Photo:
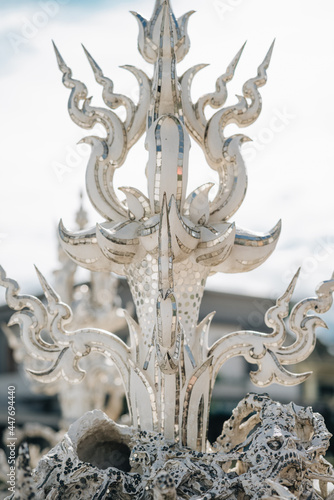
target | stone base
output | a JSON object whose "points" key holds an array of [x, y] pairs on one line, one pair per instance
{"points": [[266, 451]]}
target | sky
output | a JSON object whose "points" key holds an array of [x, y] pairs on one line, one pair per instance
{"points": [[290, 161]]}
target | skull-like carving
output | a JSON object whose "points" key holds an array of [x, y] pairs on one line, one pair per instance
{"points": [[284, 444]]}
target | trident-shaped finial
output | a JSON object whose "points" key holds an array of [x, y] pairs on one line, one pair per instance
{"points": [[149, 32]]}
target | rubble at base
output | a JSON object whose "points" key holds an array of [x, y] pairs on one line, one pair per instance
{"points": [[266, 451]]}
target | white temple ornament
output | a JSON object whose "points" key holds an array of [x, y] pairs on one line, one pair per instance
{"points": [[166, 243]]}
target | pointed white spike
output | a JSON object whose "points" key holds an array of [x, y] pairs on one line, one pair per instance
{"points": [[286, 297], [98, 73], [61, 63], [233, 65], [50, 293], [268, 56]]}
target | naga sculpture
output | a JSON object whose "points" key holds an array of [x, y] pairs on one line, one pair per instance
{"points": [[166, 243]]}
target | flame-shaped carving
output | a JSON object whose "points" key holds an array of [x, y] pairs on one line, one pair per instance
{"points": [[149, 33]]}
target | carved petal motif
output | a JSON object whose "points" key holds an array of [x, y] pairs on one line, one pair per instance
{"points": [[250, 250]]}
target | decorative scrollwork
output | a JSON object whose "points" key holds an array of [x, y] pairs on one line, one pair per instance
{"points": [[167, 243]]}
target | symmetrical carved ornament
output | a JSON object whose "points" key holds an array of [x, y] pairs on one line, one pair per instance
{"points": [[166, 243]]}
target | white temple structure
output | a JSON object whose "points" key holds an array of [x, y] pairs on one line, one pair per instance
{"points": [[166, 242]]}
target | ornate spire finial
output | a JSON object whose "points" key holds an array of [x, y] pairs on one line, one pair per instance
{"points": [[167, 242], [149, 32]]}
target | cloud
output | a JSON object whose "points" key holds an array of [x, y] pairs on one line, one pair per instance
{"points": [[45, 4], [22, 24]]}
